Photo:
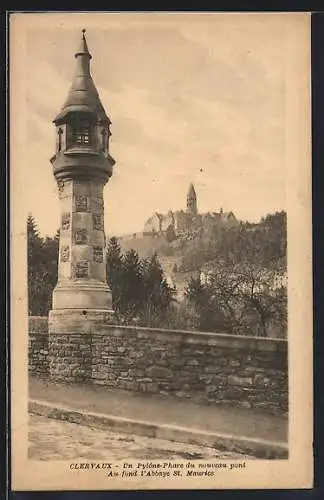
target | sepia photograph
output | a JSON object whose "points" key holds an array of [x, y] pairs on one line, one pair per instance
{"points": [[160, 177]]}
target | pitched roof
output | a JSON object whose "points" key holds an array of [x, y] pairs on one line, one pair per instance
{"points": [[227, 215], [83, 95]]}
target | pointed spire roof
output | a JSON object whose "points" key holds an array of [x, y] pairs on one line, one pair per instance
{"points": [[83, 46], [83, 95], [191, 191]]}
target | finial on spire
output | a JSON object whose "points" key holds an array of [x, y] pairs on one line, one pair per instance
{"points": [[83, 47]]}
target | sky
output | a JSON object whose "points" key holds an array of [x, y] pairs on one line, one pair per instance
{"points": [[192, 98]]}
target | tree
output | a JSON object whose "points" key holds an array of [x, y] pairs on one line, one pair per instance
{"points": [[50, 275], [202, 300], [170, 234], [266, 297], [131, 289], [139, 288], [42, 261], [179, 316], [157, 293], [34, 257], [124, 279], [114, 271], [263, 244], [240, 299]]}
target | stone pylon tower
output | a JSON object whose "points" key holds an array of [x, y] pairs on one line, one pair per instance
{"points": [[82, 166], [192, 201]]}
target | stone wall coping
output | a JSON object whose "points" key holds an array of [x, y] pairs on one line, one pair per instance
{"points": [[193, 332], [38, 325], [186, 336], [209, 338]]}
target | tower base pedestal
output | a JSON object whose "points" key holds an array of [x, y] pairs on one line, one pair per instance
{"points": [[71, 321], [70, 333], [75, 295]]}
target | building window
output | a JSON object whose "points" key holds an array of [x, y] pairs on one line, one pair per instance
{"points": [[59, 132], [104, 140], [81, 132], [81, 135]]}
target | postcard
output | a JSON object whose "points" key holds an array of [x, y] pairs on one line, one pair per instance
{"points": [[161, 251]]}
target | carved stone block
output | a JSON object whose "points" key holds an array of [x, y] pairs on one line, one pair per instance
{"points": [[97, 254], [80, 236], [66, 217], [97, 205], [81, 203], [96, 189], [82, 269], [65, 254], [97, 222], [60, 185]]}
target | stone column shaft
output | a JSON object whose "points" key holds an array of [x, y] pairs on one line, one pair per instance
{"points": [[82, 271]]}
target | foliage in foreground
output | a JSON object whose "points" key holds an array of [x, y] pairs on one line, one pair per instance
{"points": [[140, 291], [240, 299], [42, 269]]}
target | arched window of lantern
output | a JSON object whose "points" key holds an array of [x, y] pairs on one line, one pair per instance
{"points": [[59, 139], [104, 140], [81, 132]]}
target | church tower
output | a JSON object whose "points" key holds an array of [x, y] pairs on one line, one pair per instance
{"points": [[82, 165], [192, 201]]}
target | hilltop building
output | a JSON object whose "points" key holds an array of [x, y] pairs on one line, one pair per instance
{"points": [[187, 223]]}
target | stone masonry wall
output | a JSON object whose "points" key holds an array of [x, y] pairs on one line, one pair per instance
{"points": [[70, 357], [205, 367], [38, 346], [213, 368]]}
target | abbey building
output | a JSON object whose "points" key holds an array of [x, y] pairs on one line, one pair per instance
{"points": [[189, 222]]}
